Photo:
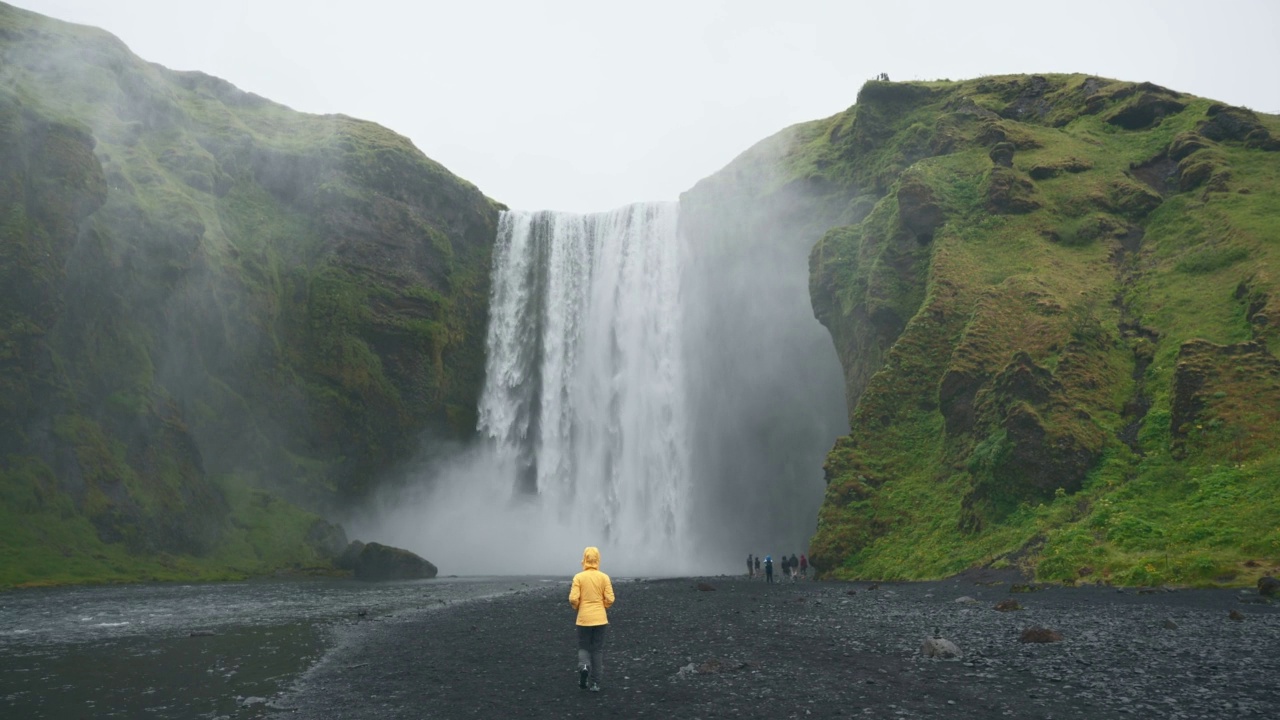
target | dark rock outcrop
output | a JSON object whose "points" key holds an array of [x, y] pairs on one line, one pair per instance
{"points": [[1050, 170], [1009, 193], [1002, 154], [383, 562], [1227, 123], [1131, 199], [1268, 586], [1186, 143], [919, 209], [1037, 442], [1145, 110]]}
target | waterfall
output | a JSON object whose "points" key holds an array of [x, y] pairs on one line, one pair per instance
{"points": [[655, 385], [584, 398]]}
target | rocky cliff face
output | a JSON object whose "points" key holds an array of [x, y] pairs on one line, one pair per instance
{"points": [[210, 301], [1055, 329]]}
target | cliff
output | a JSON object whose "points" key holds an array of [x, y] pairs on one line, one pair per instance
{"points": [[1053, 301], [1056, 327], [217, 315]]}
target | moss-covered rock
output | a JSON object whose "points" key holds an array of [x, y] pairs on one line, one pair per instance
{"points": [[1008, 192], [200, 284], [1023, 391]]}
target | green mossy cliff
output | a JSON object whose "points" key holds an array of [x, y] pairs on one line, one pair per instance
{"points": [[1056, 310], [214, 312]]}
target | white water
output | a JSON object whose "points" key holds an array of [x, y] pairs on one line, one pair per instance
{"points": [[583, 406]]}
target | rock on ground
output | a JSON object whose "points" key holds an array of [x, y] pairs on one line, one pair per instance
{"points": [[383, 562]]}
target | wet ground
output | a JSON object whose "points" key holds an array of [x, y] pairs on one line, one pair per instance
{"points": [[746, 649], [504, 647], [189, 651]]}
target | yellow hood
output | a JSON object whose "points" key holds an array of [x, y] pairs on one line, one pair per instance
{"points": [[591, 559]]}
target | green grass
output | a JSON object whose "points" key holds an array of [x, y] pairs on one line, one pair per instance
{"points": [[45, 540], [910, 498]]}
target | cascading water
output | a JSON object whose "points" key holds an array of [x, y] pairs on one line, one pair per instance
{"points": [[656, 385], [583, 416], [584, 387]]}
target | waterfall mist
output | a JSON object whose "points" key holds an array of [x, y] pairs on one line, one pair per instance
{"points": [[656, 385]]}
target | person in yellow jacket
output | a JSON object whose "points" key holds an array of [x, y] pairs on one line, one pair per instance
{"points": [[591, 594]]}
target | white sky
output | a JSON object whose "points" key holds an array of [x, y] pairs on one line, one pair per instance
{"points": [[589, 105]]}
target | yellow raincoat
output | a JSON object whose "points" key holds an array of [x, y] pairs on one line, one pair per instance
{"points": [[592, 591]]}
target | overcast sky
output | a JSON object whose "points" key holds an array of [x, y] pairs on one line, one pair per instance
{"points": [[591, 105]]}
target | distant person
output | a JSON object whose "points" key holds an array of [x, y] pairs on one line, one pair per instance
{"points": [[750, 567], [795, 566], [591, 594], [768, 568], [757, 565], [804, 566]]}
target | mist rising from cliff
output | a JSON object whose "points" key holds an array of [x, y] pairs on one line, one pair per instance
{"points": [[766, 389], [655, 388]]}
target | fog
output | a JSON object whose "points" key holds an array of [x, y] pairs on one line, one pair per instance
{"points": [[587, 106], [659, 390]]}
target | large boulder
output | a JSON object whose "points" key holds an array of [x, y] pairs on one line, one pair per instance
{"points": [[1268, 586], [941, 648], [383, 562]]}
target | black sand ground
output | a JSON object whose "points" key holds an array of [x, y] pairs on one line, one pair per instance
{"points": [[812, 650]]}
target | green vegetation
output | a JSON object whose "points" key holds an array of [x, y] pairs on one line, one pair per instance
{"points": [[1056, 322], [210, 305], [45, 539]]}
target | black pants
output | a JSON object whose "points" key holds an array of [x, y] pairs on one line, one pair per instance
{"points": [[591, 649]]}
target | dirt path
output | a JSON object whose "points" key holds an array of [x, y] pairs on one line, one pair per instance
{"points": [[809, 650]]}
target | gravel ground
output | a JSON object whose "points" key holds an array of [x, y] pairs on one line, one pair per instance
{"points": [[812, 649]]}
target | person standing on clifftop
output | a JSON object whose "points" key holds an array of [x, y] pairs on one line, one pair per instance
{"points": [[768, 568], [750, 568], [591, 595]]}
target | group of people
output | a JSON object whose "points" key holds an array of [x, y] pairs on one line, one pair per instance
{"points": [[792, 569]]}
